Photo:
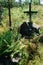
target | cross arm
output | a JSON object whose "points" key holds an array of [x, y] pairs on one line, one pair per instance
{"points": [[30, 12]]}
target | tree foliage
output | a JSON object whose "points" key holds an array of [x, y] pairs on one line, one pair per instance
{"points": [[14, 3]]}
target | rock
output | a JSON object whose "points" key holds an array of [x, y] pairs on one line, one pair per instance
{"points": [[15, 60], [36, 26]]}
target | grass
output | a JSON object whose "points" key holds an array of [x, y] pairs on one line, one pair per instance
{"points": [[16, 44], [17, 15]]}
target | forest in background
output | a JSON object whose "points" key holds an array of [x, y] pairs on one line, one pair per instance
{"points": [[15, 3]]}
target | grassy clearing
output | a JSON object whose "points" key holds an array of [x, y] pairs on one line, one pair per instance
{"points": [[17, 44], [18, 16]]}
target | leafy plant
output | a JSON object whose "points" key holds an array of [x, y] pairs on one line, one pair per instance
{"points": [[5, 41]]}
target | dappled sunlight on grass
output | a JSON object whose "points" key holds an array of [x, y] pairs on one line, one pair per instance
{"points": [[17, 15], [27, 48]]}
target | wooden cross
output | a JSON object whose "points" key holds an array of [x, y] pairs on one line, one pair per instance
{"points": [[9, 14], [30, 12]]}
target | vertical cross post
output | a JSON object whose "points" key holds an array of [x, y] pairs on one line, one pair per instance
{"points": [[30, 12], [9, 14]]}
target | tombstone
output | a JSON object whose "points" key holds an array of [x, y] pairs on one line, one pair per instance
{"points": [[28, 29]]}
